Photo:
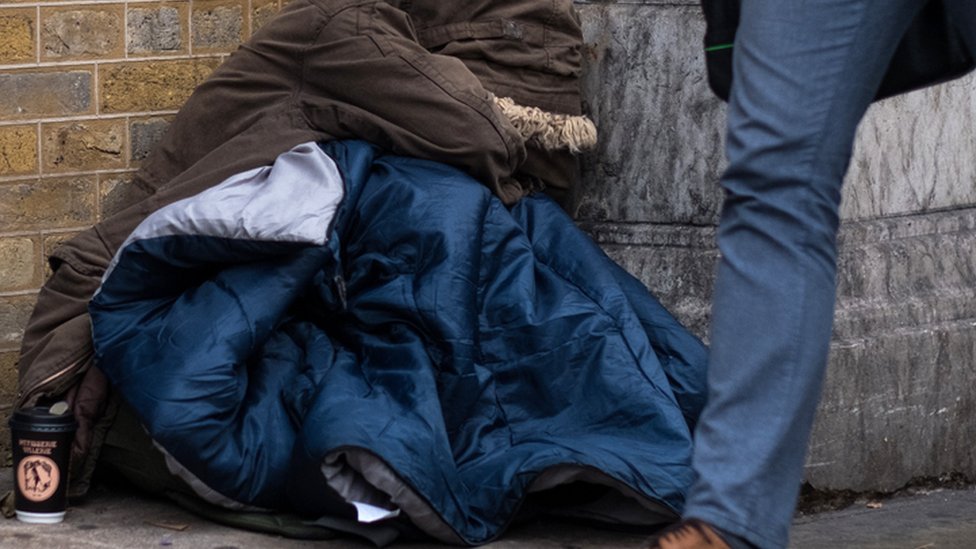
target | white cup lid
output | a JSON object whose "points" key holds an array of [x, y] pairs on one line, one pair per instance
{"points": [[40, 518]]}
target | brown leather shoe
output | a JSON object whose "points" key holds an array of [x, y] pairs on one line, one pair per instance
{"points": [[689, 534]]}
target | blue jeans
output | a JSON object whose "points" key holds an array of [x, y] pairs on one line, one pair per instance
{"points": [[805, 72]]}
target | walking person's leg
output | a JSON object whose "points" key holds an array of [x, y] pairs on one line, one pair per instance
{"points": [[805, 72]]}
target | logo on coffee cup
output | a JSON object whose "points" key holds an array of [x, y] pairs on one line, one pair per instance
{"points": [[38, 477]]}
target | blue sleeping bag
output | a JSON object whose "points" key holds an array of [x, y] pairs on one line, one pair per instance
{"points": [[378, 337]]}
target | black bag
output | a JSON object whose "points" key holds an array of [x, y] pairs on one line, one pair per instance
{"points": [[931, 52]]}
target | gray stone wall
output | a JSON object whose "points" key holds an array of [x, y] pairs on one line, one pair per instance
{"points": [[900, 399]]}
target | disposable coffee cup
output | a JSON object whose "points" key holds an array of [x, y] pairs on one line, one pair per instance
{"points": [[42, 437]]}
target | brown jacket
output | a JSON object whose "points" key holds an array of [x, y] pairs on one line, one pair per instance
{"points": [[529, 51], [322, 69]]}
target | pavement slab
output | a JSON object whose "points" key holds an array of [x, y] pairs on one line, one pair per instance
{"points": [[121, 518], [936, 519]]}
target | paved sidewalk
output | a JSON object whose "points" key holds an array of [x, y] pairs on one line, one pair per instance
{"points": [[942, 519], [937, 519]]}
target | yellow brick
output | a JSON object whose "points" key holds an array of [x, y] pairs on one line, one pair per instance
{"points": [[48, 203], [145, 134], [262, 12], [20, 260], [83, 146], [155, 29], [6, 455], [151, 85], [8, 376], [56, 91], [51, 242], [8, 392], [82, 32], [18, 150], [14, 313], [17, 36], [117, 192], [218, 25]]}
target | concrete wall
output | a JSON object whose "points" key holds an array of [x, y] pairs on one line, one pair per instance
{"points": [[899, 401], [87, 87]]}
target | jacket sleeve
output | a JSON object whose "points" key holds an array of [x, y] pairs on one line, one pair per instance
{"points": [[366, 77]]}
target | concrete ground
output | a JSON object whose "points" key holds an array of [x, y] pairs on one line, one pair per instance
{"points": [[936, 519], [117, 518]]}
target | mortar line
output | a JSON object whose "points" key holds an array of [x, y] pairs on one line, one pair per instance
{"points": [[63, 230], [98, 197], [58, 175], [82, 62], [37, 36], [250, 24], [127, 146], [125, 31], [98, 96], [19, 293], [189, 27], [72, 3], [85, 117], [17, 234], [42, 232], [40, 150], [39, 156]]}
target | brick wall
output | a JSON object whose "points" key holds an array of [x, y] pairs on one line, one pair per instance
{"points": [[86, 89]]}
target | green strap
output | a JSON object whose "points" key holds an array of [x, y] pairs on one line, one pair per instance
{"points": [[718, 47]]}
